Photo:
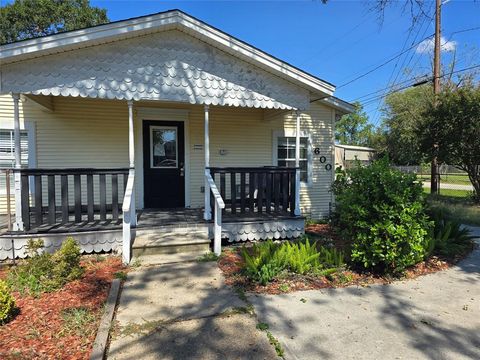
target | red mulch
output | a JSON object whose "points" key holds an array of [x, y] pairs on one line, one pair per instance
{"points": [[37, 331], [231, 264]]}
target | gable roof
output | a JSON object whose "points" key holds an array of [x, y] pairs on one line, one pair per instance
{"points": [[168, 20]]}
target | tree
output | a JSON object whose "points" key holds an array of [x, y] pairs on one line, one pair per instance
{"points": [[354, 129], [25, 19], [455, 118], [401, 114]]}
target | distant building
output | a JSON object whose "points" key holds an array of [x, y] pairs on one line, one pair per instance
{"points": [[345, 155]]}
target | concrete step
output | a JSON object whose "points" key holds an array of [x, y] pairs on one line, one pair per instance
{"points": [[160, 259], [168, 240]]}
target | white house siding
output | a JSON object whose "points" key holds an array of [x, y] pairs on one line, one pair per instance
{"points": [[94, 133]]}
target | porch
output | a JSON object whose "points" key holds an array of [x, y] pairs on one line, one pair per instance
{"points": [[89, 204]]}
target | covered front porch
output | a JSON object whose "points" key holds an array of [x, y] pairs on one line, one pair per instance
{"points": [[239, 203]]}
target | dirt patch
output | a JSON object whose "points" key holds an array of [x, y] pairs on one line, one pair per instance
{"points": [[61, 324]]}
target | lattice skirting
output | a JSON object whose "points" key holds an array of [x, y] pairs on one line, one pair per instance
{"points": [[263, 230], [90, 242]]}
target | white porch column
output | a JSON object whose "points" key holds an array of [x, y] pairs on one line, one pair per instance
{"points": [[297, 165], [131, 157], [207, 215], [18, 225], [131, 144]]}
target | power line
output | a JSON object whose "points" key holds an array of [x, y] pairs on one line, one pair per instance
{"points": [[383, 64], [403, 65], [418, 77], [400, 54], [375, 98]]}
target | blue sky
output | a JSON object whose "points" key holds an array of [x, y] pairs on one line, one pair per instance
{"points": [[337, 41]]}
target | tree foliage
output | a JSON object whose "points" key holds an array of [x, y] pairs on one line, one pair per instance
{"points": [[402, 113], [354, 129], [25, 19], [453, 122]]}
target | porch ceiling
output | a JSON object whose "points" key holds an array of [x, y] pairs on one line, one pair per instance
{"points": [[169, 66]]}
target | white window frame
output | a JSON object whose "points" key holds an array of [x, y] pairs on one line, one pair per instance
{"points": [[291, 133], [158, 127], [30, 128]]}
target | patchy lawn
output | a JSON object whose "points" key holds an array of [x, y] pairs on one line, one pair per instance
{"points": [[460, 209], [61, 324], [231, 263]]}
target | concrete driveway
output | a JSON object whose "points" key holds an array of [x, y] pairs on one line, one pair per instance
{"points": [[433, 317]]}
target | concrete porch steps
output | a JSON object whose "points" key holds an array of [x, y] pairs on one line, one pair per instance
{"points": [[164, 244]]}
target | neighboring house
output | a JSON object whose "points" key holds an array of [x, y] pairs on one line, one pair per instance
{"points": [[161, 112], [346, 155]]}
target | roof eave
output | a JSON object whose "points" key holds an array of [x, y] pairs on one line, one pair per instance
{"points": [[342, 106]]}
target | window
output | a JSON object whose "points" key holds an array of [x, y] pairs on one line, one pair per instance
{"points": [[7, 148], [7, 154], [163, 142], [286, 154]]}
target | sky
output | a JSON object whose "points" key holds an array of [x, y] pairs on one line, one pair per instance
{"points": [[338, 41]]}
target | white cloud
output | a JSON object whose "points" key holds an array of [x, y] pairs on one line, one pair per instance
{"points": [[427, 46]]}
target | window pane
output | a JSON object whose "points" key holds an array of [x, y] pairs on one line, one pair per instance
{"points": [[7, 148], [286, 154], [164, 147], [282, 152]]}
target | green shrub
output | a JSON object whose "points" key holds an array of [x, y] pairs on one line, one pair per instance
{"points": [[448, 238], [266, 260], [45, 272], [301, 257], [7, 303], [381, 212], [67, 262], [262, 264]]}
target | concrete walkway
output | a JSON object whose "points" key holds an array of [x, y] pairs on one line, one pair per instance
{"points": [[184, 311], [433, 317]]}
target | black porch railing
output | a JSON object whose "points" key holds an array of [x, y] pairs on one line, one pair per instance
{"points": [[256, 190], [61, 196]]}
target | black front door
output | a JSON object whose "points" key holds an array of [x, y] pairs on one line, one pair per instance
{"points": [[163, 164]]}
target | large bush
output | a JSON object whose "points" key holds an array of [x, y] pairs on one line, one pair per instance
{"points": [[381, 212], [44, 272], [7, 303]]}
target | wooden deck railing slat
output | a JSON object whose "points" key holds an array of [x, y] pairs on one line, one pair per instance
{"points": [[269, 189], [34, 209]]}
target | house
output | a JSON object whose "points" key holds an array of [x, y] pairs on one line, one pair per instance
{"points": [[346, 155], [128, 130]]}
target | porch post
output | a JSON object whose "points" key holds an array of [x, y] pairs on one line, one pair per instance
{"points": [[18, 225], [297, 165], [131, 156], [207, 215]]}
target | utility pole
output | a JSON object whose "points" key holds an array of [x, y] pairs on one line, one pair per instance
{"points": [[434, 184]]}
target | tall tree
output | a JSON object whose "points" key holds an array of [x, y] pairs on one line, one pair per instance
{"points": [[354, 129], [455, 119], [25, 19], [401, 114]]}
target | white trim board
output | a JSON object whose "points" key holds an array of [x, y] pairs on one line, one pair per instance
{"points": [[159, 114]]}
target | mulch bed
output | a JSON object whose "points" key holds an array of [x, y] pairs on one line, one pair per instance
{"points": [[231, 264], [38, 331]]}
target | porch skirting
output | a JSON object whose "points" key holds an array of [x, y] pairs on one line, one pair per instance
{"points": [[89, 242], [262, 230]]}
